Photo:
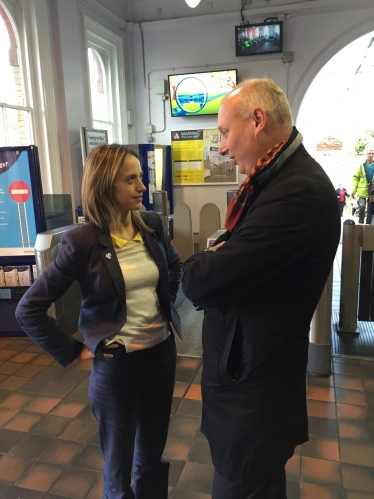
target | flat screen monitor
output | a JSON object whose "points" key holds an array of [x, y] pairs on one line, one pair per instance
{"points": [[255, 39], [58, 210], [200, 93]]}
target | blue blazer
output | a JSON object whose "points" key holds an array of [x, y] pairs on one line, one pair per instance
{"points": [[83, 257]]}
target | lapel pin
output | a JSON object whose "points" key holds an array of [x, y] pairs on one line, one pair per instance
{"points": [[108, 256]]}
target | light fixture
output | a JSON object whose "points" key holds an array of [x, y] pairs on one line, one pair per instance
{"points": [[192, 3]]}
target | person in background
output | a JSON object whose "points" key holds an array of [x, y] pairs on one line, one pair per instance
{"points": [[341, 194], [259, 286], [129, 273], [362, 179]]}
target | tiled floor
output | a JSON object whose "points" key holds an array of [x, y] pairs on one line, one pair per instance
{"points": [[49, 444]]}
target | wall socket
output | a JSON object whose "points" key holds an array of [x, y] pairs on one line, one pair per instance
{"points": [[287, 57], [130, 118], [160, 87]]}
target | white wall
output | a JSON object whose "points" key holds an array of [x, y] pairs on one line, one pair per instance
{"points": [[71, 79], [184, 45], [190, 45]]}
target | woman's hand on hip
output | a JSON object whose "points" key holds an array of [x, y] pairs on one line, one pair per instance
{"points": [[86, 353]]}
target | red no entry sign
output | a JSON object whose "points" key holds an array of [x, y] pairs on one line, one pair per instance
{"points": [[19, 191]]}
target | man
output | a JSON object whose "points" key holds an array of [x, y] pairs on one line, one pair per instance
{"points": [[361, 185], [259, 286]]}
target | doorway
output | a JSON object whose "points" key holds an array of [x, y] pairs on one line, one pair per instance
{"points": [[336, 115]]}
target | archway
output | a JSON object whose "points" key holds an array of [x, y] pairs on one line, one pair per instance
{"points": [[335, 112]]}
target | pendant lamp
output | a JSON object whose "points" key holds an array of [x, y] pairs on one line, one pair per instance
{"points": [[192, 3]]}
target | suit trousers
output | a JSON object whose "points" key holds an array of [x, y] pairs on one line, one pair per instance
{"points": [[131, 396], [274, 488]]}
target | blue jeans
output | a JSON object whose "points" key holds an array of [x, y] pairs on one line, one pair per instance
{"points": [[131, 397]]}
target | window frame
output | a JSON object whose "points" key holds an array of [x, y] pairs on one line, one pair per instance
{"points": [[5, 105], [31, 21], [105, 59], [107, 42]]}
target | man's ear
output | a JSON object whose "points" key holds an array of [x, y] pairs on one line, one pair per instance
{"points": [[260, 119]]}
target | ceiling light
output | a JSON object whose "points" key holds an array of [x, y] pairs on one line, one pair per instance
{"points": [[192, 3]]}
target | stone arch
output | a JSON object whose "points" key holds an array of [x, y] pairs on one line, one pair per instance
{"points": [[311, 71]]}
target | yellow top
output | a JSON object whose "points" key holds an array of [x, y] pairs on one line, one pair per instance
{"points": [[122, 242], [145, 326]]}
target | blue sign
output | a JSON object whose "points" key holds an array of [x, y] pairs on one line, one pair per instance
{"points": [[17, 217]]}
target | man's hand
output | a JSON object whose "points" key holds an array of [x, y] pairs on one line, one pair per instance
{"points": [[87, 354]]}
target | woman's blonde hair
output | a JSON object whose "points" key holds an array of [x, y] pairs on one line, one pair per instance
{"points": [[100, 170]]}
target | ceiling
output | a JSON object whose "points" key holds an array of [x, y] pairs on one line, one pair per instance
{"points": [[156, 10]]}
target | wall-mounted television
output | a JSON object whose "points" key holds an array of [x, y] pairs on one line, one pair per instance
{"points": [[200, 93], [255, 39]]}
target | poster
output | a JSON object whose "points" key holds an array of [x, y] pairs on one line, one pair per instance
{"points": [[17, 217], [90, 138], [196, 159]]}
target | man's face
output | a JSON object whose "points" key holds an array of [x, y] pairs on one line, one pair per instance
{"points": [[238, 137], [370, 156]]}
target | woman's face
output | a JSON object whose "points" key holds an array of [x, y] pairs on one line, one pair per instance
{"points": [[128, 187]]}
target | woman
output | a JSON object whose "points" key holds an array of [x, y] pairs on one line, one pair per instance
{"points": [[341, 194], [129, 274]]}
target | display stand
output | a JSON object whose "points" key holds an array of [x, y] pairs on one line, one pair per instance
{"points": [[21, 219]]}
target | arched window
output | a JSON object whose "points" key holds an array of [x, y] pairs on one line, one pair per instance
{"points": [[100, 98], [15, 129], [106, 73]]}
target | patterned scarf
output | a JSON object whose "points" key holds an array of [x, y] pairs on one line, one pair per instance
{"points": [[245, 191]]}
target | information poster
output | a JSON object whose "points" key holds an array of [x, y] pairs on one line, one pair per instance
{"points": [[90, 138], [196, 159], [17, 217]]}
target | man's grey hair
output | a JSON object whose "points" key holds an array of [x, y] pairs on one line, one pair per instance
{"points": [[264, 93]]}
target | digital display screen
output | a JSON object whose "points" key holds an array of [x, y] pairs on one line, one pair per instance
{"points": [[17, 216], [255, 39], [200, 93]]}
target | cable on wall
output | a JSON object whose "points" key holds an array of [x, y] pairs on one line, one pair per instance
{"points": [[143, 54]]}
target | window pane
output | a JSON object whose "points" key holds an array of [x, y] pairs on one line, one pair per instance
{"points": [[11, 89], [17, 127], [99, 88]]}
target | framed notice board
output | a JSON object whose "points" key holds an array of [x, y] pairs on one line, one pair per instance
{"points": [[90, 138]]}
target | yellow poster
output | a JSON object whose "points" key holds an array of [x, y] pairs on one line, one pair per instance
{"points": [[196, 158]]}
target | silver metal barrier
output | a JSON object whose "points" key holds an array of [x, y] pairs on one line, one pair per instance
{"points": [[161, 206], [319, 355], [350, 269], [67, 308]]}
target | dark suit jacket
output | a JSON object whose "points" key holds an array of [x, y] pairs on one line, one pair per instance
{"points": [[83, 257], [259, 292]]}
